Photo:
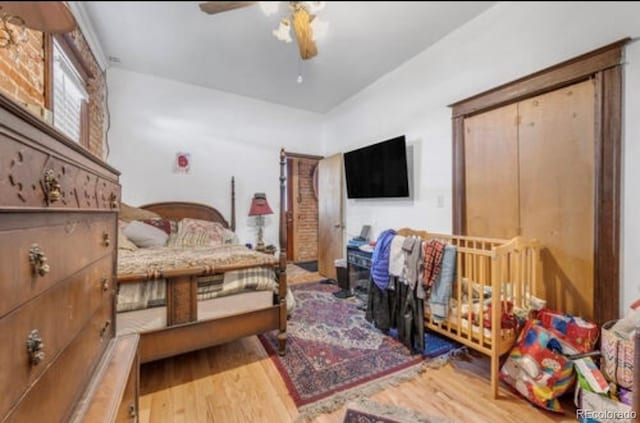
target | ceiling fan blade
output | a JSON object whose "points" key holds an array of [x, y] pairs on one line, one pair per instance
{"points": [[213, 7], [304, 33]]}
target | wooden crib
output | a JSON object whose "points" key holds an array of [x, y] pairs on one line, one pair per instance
{"points": [[484, 267]]}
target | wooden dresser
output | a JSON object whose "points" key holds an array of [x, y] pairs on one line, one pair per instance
{"points": [[59, 360]]}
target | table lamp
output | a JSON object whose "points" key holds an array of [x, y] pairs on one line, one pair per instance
{"points": [[259, 208]]}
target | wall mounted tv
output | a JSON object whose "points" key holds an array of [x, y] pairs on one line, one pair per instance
{"points": [[378, 170]]}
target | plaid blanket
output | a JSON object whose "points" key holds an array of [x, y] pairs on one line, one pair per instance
{"points": [[234, 282]]}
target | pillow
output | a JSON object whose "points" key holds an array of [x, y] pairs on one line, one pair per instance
{"points": [[162, 224], [145, 236], [125, 243], [198, 233], [229, 237], [129, 213]]}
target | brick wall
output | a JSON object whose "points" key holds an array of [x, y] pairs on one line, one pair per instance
{"points": [[97, 96], [23, 80], [305, 212]]}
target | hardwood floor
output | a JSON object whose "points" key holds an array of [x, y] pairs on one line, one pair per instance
{"points": [[237, 382]]}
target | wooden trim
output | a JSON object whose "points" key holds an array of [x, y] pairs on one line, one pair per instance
{"points": [[84, 125], [72, 52], [173, 340], [48, 70], [233, 204], [607, 196], [603, 64], [289, 211], [303, 156], [458, 177], [282, 273], [562, 74]]}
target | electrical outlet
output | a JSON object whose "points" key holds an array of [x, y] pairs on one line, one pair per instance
{"points": [[440, 201]]}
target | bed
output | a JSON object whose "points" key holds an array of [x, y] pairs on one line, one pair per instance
{"points": [[188, 319]]}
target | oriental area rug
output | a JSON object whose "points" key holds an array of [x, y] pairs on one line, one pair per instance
{"points": [[334, 354], [367, 411]]}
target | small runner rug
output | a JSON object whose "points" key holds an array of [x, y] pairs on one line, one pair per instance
{"points": [[334, 354], [366, 411]]}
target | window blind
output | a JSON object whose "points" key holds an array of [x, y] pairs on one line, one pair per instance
{"points": [[68, 95]]}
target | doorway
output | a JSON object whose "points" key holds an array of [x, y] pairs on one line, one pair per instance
{"points": [[302, 210]]}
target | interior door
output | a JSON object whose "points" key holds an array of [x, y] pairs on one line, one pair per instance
{"points": [[491, 173], [330, 218], [557, 191]]}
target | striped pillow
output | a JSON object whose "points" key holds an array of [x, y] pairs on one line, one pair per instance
{"points": [[197, 233]]}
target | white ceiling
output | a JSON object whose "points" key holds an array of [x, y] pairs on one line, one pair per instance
{"points": [[235, 51]]}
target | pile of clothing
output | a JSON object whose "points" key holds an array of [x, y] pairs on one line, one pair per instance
{"points": [[406, 273]]}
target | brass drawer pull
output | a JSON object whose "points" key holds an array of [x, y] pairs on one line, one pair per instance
{"points": [[106, 241], [35, 347], [105, 284], [113, 201], [52, 187], [104, 328], [132, 410], [38, 261]]}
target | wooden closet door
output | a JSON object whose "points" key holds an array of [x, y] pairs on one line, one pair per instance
{"points": [[491, 173], [556, 142], [331, 244]]}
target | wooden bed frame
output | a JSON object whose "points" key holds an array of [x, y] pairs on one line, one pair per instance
{"points": [[184, 332]]}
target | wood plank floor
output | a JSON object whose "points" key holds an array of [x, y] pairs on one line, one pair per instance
{"points": [[237, 382]]}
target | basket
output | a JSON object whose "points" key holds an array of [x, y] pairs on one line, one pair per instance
{"points": [[617, 356]]}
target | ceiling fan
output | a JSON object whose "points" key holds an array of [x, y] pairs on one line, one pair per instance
{"points": [[302, 17]]}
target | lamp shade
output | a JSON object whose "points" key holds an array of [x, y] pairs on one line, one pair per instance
{"points": [[259, 205]]}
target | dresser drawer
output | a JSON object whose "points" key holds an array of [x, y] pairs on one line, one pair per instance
{"points": [[68, 243], [53, 398], [32, 177], [128, 411], [58, 315]]}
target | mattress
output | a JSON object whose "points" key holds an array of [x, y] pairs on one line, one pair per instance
{"points": [[156, 318]]}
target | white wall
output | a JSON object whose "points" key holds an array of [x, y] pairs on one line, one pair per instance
{"points": [[154, 118], [508, 41]]}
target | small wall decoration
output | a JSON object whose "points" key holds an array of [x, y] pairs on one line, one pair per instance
{"points": [[183, 162]]}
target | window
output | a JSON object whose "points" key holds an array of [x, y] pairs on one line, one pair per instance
{"points": [[68, 93]]}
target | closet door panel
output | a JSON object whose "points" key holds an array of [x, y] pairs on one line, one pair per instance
{"points": [[491, 173], [556, 148]]}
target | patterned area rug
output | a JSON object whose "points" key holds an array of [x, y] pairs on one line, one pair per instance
{"points": [[367, 411], [334, 354]]}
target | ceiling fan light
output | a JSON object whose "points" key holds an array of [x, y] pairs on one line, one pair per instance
{"points": [[283, 33], [320, 28], [315, 6], [269, 7]]}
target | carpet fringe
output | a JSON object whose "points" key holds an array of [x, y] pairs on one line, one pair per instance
{"points": [[329, 405]]}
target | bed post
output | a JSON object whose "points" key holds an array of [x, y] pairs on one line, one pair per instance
{"points": [[233, 203], [282, 279]]}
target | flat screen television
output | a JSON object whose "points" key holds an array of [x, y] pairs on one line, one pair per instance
{"points": [[378, 170]]}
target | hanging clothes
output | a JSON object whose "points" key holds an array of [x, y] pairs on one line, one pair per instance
{"points": [[396, 256], [413, 262], [441, 290], [400, 305], [433, 250], [380, 259]]}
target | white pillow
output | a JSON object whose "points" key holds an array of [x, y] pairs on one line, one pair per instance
{"points": [[145, 236]]}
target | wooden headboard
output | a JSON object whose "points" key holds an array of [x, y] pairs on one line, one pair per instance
{"points": [[176, 210]]}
